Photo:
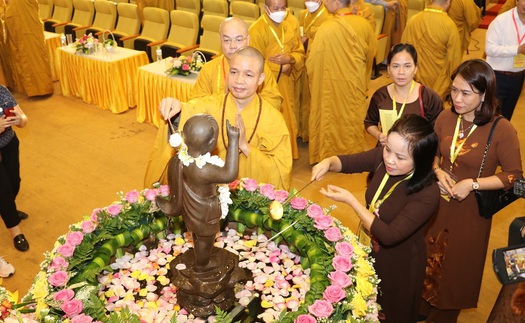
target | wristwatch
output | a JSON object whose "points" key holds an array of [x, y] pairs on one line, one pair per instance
{"points": [[475, 184]]}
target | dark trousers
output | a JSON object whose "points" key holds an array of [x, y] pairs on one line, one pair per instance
{"points": [[9, 183], [508, 89]]}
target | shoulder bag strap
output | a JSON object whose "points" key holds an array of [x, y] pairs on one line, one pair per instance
{"points": [[421, 107], [488, 145]]}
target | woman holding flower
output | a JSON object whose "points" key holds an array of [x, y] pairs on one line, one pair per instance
{"points": [[401, 199]]}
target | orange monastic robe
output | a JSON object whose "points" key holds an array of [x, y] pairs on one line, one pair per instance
{"points": [[271, 40], [467, 17]]}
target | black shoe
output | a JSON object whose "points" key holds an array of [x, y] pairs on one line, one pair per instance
{"points": [[22, 215], [21, 243]]}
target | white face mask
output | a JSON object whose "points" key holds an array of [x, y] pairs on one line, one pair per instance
{"points": [[312, 6], [277, 16]]}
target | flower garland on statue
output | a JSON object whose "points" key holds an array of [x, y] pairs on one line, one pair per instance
{"points": [[176, 141]]}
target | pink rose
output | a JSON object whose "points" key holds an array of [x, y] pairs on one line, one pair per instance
{"points": [[268, 191], [58, 263], [82, 318], [344, 249], [305, 318], [88, 226], [281, 195], [250, 184], [114, 209], [150, 194], [342, 263], [340, 278], [334, 293], [185, 67], [333, 234], [58, 279], [64, 295], [321, 308], [164, 190], [94, 214], [132, 196], [74, 238], [72, 308], [314, 211], [323, 222], [299, 203], [66, 250]]}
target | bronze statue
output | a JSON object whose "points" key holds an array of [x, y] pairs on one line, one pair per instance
{"points": [[209, 273]]}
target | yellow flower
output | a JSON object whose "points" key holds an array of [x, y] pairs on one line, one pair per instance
{"points": [[250, 243], [135, 274], [358, 306], [40, 290], [143, 292], [179, 241], [152, 305], [40, 306], [269, 283], [364, 268], [266, 304], [363, 286], [109, 293]]}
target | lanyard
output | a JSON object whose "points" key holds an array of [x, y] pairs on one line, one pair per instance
{"points": [[281, 43], [520, 39], [454, 151], [223, 69], [315, 18], [394, 105], [374, 204]]}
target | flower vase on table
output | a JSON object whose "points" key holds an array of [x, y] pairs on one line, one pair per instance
{"points": [[184, 65], [85, 44], [109, 44]]}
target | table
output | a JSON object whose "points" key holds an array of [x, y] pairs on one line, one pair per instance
{"points": [[108, 81], [53, 42], [153, 86]]}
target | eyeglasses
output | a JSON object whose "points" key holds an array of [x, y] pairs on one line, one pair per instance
{"points": [[237, 40]]}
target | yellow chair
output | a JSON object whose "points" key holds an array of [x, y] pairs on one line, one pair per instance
{"points": [[105, 19], [128, 25], [62, 12], [45, 9], [83, 15], [415, 6], [382, 39], [296, 6], [210, 42], [215, 7], [155, 28], [183, 34], [193, 6], [247, 11]]}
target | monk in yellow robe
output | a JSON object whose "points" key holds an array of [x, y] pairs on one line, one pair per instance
{"points": [[436, 39], [467, 17], [264, 141], [509, 4], [276, 35], [6, 74], [358, 7], [27, 48], [336, 67], [234, 35], [395, 21], [212, 77], [309, 21]]}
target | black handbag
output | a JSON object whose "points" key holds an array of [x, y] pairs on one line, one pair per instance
{"points": [[491, 201]]}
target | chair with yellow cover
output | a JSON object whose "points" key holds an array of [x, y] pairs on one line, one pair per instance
{"points": [[210, 42], [83, 15], [382, 39], [415, 6], [45, 9], [183, 34], [105, 19], [215, 7], [62, 12], [128, 25], [247, 11], [155, 28], [193, 6], [296, 6]]}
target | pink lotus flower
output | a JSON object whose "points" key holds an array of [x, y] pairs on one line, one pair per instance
{"points": [[323, 222], [114, 209], [299, 203], [72, 308], [58, 279], [321, 308], [334, 293], [333, 234], [132, 196], [74, 238], [250, 185], [342, 263]]}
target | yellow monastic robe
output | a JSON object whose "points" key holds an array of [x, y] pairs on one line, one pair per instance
{"points": [[212, 81], [6, 74], [436, 39], [285, 38], [467, 17], [395, 22], [27, 48], [509, 4], [309, 23], [270, 158], [336, 66], [359, 8]]}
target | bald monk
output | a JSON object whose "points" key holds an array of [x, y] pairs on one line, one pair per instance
{"points": [[212, 77], [309, 21], [436, 39], [264, 141], [27, 48], [336, 66], [211, 80], [276, 35], [467, 17]]}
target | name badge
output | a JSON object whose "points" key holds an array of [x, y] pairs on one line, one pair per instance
{"points": [[364, 235], [519, 60]]}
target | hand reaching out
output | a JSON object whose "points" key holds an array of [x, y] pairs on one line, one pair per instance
{"points": [[169, 107]]}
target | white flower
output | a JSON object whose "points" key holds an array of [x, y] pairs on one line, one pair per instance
{"points": [[224, 198], [175, 140]]}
